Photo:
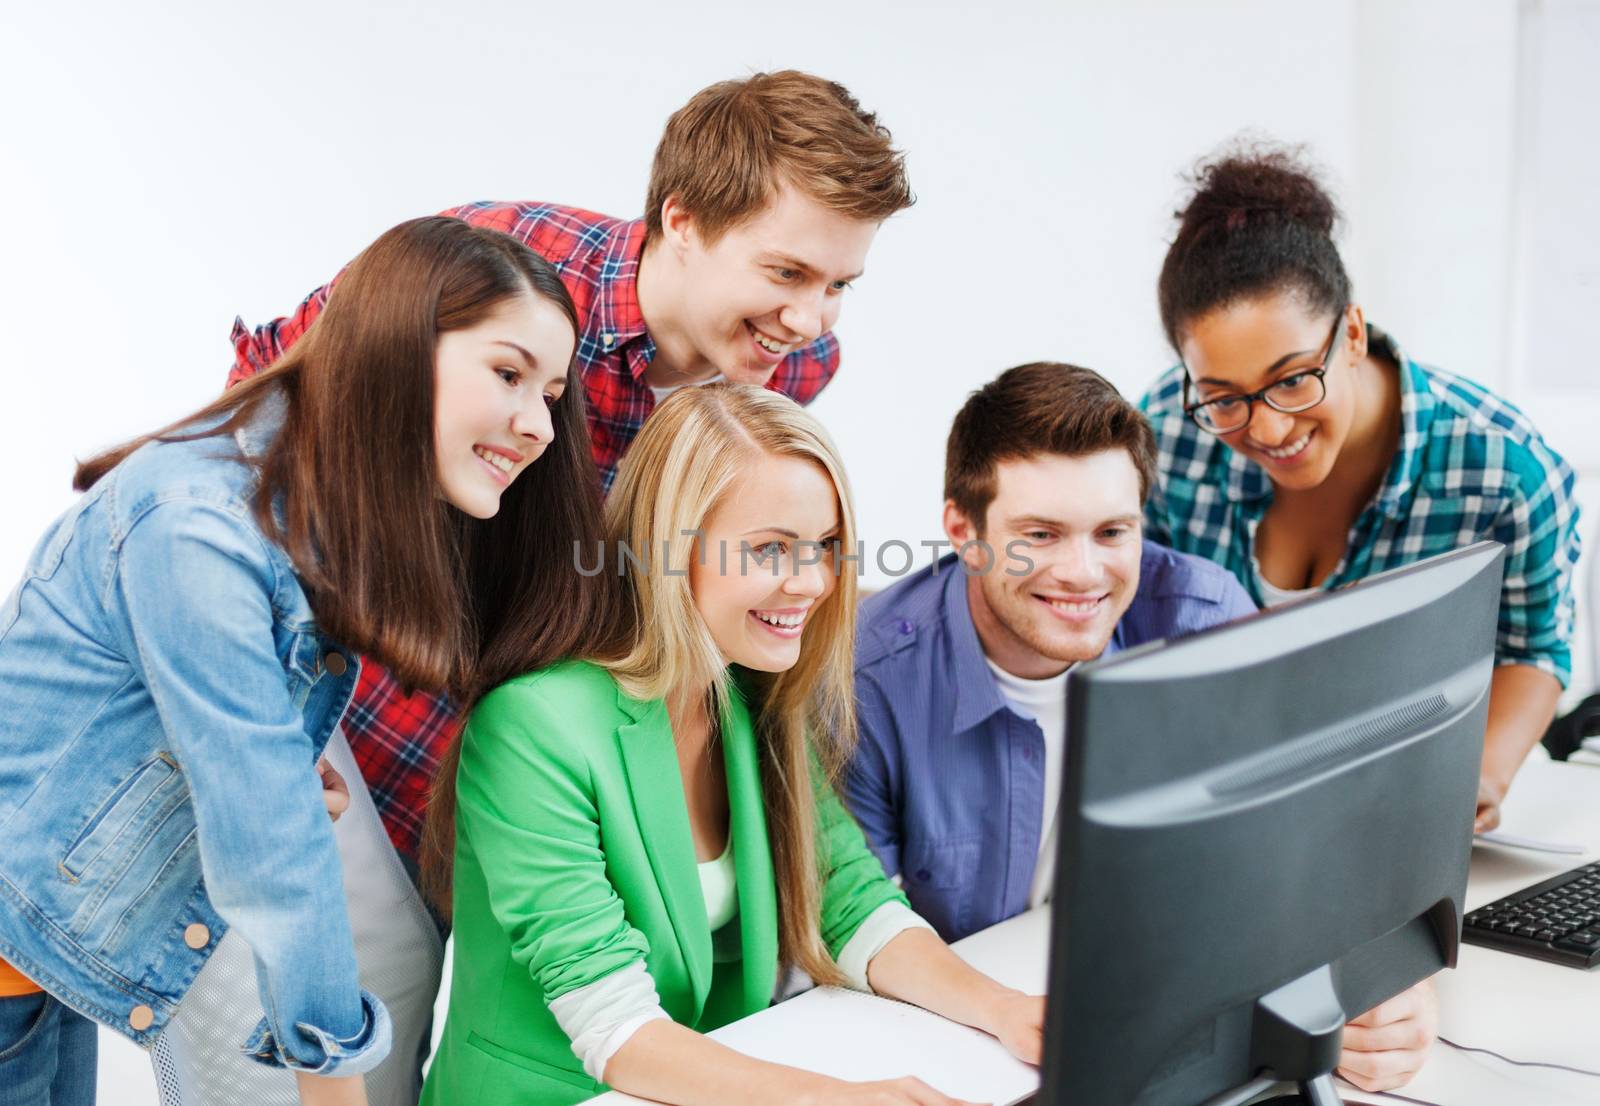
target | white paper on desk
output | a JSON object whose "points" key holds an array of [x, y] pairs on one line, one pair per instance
{"points": [[856, 1036], [860, 1037], [1533, 844]]}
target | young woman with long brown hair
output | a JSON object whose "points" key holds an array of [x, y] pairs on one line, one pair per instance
{"points": [[185, 640], [647, 835]]}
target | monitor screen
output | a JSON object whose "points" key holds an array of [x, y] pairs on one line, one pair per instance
{"points": [[1264, 831]]}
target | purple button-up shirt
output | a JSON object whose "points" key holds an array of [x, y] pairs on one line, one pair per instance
{"points": [[948, 780]]}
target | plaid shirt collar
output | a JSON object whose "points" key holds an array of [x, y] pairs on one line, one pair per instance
{"points": [[1248, 483]]}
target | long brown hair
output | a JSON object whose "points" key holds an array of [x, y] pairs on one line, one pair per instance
{"points": [[690, 453], [349, 486]]}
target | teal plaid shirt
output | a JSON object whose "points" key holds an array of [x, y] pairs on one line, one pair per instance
{"points": [[1470, 467]]}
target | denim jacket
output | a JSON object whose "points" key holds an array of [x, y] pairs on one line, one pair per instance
{"points": [[166, 697]]}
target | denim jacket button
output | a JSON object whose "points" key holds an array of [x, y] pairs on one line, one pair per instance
{"points": [[140, 1018], [335, 664], [197, 936]]}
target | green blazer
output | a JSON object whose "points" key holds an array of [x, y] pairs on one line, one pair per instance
{"points": [[574, 859]]}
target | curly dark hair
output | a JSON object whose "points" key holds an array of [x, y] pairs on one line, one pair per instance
{"points": [[1258, 222]]}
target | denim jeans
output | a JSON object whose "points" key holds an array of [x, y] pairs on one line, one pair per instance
{"points": [[47, 1053]]}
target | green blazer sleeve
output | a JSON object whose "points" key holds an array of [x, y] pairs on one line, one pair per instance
{"points": [[854, 884], [527, 809]]}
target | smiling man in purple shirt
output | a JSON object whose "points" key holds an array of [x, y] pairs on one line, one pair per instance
{"points": [[961, 669]]}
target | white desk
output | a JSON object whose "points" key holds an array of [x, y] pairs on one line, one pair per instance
{"points": [[1521, 1008]]}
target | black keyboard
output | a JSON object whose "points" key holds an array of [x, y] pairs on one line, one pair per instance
{"points": [[1557, 920]]}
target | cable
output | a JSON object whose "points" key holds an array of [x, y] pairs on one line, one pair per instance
{"points": [[1519, 1063], [1486, 1052]]}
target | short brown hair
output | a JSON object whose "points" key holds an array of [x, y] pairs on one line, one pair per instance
{"points": [[1044, 407], [726, 151]]}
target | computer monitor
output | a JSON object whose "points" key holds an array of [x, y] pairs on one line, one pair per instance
{"points": [[1264, 831]]}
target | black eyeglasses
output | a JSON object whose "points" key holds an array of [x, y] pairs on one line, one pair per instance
{"points": [[1299, 391]]}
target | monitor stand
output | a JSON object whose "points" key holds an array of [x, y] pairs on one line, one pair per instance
{"points": [[1296, 1038], [1317, 1092]]}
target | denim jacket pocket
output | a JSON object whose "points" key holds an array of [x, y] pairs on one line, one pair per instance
{"points": [[121, 813]]}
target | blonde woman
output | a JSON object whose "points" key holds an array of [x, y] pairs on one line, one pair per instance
{"points": [[647, 836]]}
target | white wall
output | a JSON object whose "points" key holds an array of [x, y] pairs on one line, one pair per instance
{"points": [[1430, 197], [168, 165]]}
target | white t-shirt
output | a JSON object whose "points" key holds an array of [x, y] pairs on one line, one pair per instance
{"points": [[720, 887], [1274, 596], [1044, 701], [663, 393]]}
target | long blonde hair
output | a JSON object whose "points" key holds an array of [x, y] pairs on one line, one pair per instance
{"points": [[692, 450]]}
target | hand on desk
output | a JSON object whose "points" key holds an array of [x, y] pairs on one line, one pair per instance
{"points": [[1386, 1046], [889, 1092], [1491, 793], [917, 967], [670, 1063], [1522, 701], [1017, 1021]]}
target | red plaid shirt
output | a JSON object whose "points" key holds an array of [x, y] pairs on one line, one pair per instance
{"points": [[397, 739]]}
